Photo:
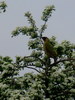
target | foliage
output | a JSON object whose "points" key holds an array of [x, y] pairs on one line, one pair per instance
{"points": [[2, 6], [53, 80]]}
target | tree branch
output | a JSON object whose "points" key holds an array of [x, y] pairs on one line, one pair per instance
{"points": [[33, 69], [36, 58], [42, 29], [62, 60]]}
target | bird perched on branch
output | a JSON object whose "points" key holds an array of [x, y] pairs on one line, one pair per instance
{"points": [[49, 49]]}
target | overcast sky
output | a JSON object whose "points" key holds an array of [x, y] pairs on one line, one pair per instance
{"points": [[61, 24]]}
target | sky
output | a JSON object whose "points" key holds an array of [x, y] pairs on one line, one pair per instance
{"points": [[61, 24]]}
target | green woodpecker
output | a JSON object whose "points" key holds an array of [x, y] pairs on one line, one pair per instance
{"points": [[49, 49]]}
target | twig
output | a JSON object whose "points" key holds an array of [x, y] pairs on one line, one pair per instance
{"points": [[33, 69], [42, 29], [35, 58], [62, 60]]}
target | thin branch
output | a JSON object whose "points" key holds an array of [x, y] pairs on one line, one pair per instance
{"points": [[33, 69], [42, 29], [40, 60], [36, 58], [62, 60]]}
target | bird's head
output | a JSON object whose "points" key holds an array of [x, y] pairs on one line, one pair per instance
{"points": [[44, 38]]}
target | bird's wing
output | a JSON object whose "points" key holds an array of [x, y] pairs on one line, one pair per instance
{"points": [[49, 50]]}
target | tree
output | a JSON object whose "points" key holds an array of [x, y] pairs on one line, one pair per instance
{"points": [[53, 80], [2, 6]]}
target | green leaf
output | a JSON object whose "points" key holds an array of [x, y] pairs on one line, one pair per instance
{"points": [[47, 12]]}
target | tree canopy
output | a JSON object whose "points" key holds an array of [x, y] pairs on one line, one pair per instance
{"points": [[52, 80]]}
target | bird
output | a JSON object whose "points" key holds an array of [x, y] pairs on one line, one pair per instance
{"points": [[49, 49]]}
